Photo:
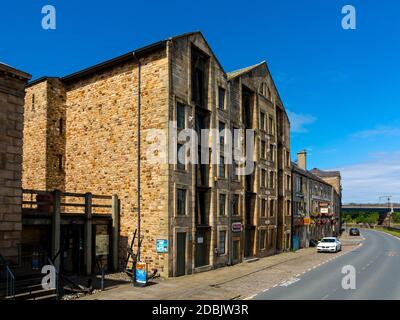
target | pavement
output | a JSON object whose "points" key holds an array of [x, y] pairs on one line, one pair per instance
{"points": [[241, 281], [376, 264]]}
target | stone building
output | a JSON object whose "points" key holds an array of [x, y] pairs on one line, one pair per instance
{"points": [[316, 205], [12, 92], [334, 179], [81, 135]]}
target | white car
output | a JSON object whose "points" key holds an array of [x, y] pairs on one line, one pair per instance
{"points": [[329, 244]]}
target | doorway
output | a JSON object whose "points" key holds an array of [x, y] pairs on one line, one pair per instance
{"points": [[249, 234], [72, 249], [202, 252], [180, 254]]}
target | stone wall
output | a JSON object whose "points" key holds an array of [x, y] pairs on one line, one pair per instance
{"points": [[101, 156], [35, 130], [95, 150], [12, 91]]}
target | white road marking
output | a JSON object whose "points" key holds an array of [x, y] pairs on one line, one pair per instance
{"points": [[289, 282]]}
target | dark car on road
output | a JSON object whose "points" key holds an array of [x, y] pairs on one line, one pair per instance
{"points": [[354, 232]]}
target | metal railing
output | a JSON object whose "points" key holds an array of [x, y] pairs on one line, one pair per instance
{"points": [[10, 285], [10, 279]]}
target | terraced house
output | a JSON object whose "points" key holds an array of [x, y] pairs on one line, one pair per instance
{"points": [[81, 135], [316, 203]]}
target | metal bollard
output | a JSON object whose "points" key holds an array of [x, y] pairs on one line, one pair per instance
{"points": [[102, 279]]}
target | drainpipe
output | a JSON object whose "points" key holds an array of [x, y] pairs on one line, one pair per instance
{"points": [[138, 155], [230, 234]]}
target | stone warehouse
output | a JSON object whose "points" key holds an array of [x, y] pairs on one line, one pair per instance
{"points": [[81, 135], [12, 92], [316, 203]]}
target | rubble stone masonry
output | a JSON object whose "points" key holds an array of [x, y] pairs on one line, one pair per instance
{"points": [[12, 91]]}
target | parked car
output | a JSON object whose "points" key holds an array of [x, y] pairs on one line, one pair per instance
{"points": [[329, 244], [354, 232]]}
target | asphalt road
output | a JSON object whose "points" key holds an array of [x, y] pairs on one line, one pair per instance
{"points": [[377, 266]]}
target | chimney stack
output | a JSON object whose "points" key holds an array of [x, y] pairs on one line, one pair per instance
{"points": [[302, 159]]}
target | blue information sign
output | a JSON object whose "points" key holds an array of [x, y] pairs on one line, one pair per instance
{"points": [[162, 245]]}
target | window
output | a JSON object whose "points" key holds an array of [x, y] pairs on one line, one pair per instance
{"points": [[299, 184], [288, 208], [222, 241], [180, 162], [222, 167], [181, 202], [271, 153], [288, 184], [60, 126], [221, 98], [271, 208], [60, 162], [221, 133], [263, 207], [271, 180], [288, 159], [180, 116], [263, 239], [263, 173], [271, 126], [222, 204], [262, 121], [271, 239], [33, 102], [263, 149], [235, 204], [199, 77], [234, 168]]}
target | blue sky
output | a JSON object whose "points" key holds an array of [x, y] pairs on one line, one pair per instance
{"points": [[340, 87]]}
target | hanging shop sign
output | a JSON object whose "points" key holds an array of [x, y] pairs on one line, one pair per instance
{"points": [[324, 210], [307, 221], [162, 245], [237, 227]]}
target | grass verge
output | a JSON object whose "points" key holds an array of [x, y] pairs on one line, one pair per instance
{"points": [[392, 232]]}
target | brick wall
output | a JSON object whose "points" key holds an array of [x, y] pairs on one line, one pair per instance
{"points": [[12, 91]]}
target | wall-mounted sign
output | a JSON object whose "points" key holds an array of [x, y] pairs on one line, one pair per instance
{"points": [[324, 210], [162, 245], [102, 244], [307, 221], [200, 240], [237, 227]]}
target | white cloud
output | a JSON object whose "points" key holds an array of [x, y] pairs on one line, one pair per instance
{"points": [[298, 122], [366, 182], [380, 131]]}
